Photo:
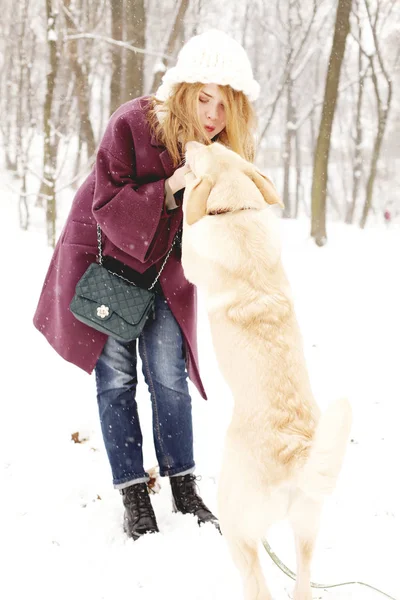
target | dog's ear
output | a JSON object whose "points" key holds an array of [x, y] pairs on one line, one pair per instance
{"points": [[196, 206], [265, 186]]}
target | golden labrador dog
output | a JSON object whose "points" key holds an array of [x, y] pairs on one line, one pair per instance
{"points": [[281, 457]]}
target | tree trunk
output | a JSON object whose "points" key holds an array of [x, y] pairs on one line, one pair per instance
{"points": [[24, 113], [374, 167], [173, 37], [383, 108], [50, 142], [371, 179], [287, 155], [23, 208], [358, 151], [298, 173], [102, 107], [8, 126], [78, 157], [81, 87], [117, 30], [321, 156], [135, 34]]}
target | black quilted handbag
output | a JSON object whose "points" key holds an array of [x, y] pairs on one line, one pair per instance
{"points": [[110, 303]]}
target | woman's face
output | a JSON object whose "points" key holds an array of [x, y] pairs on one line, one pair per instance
{"points": [[211, 109]]}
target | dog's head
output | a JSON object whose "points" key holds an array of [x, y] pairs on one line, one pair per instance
{"points": [[221, 181]]}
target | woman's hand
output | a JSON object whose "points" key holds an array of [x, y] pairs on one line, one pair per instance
{"points": [[177, 181]]}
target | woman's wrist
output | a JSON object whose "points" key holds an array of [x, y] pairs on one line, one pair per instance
{"points": [[170, 203], [175, 183], [172, 184]]}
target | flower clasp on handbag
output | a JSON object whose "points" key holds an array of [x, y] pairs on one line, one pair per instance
{"points": [[103, 311]]}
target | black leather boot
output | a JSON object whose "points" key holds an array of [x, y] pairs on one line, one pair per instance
{"points": [[139, 517], [186, 499]]}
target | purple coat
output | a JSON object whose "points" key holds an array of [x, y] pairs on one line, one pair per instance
{"points": [[124, 193]]}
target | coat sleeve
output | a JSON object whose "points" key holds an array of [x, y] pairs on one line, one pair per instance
{"points": [[132, 216]]}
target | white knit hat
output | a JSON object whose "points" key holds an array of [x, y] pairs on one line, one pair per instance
{"points": [[211, 57]]}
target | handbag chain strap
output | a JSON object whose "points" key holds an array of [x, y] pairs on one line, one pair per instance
{"points": [[100, 252]]}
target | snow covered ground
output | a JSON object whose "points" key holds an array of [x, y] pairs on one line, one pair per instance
{"points": [[60, 521]]}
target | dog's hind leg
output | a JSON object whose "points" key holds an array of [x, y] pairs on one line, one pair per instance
{"points": [[245, 557], [304, 517]]}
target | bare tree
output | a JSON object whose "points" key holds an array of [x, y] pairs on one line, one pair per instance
{"points": [[82, 91], [174, 35], [135, 34], [383, 100], [299, 35], [55, 88], [117, 32], [299, 55], [321, 157], [50, 139], [359, 130], [25, 121], [8, 126]]}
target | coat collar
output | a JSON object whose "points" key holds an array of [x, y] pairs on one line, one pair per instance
{"points": [[154, 142], [165, 157], [153, 139], [166, 162]]}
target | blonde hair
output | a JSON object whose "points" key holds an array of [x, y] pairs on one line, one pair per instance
{"points": [[175, 121]]}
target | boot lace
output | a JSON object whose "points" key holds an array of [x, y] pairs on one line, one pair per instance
{"points": [[143, 501], [188, 495], [139, 502]]}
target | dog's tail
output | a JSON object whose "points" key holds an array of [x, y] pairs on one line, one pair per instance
{"points": [[319, 474]]}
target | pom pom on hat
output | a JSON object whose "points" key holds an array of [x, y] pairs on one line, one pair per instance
{"points": [[211, 57]]}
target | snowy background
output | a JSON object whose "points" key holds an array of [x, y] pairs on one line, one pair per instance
{"points": [[60, 523]]}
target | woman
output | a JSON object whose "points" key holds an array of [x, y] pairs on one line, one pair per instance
{"points": [[134, 193]]}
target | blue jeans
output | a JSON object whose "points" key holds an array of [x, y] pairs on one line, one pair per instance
{"points": [[162, 353]]}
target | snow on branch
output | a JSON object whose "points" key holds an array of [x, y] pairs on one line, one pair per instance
{"points": [[121, 44]]}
